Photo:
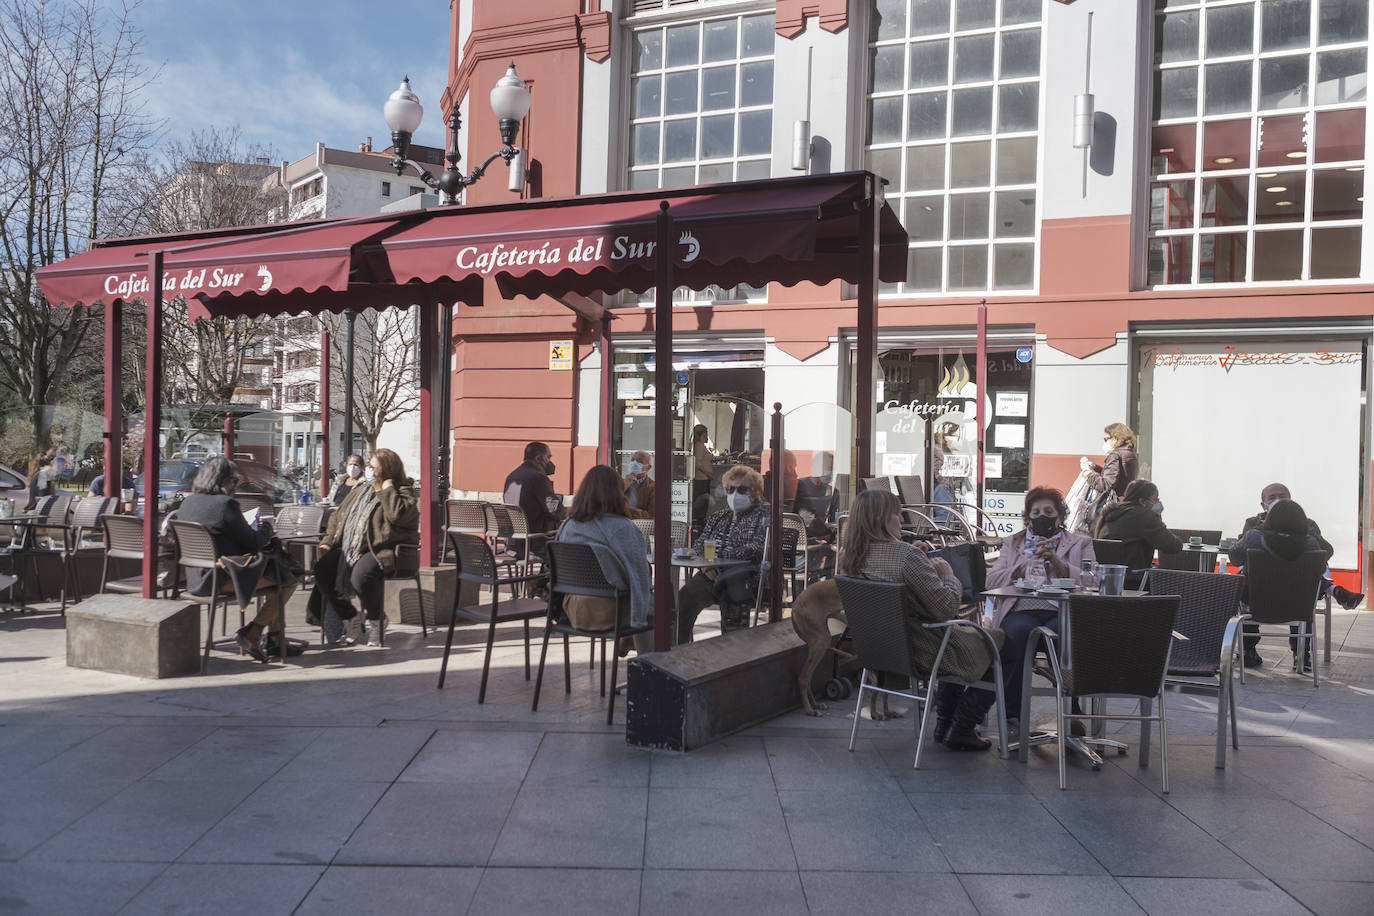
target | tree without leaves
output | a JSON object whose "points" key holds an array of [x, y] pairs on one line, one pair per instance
{"points": [[384, 371], [71, 126]]}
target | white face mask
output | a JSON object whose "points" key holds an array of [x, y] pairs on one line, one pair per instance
{"points": [[1107, 447], [738, 502], [355, 471], [370, 475], [636, 467]]}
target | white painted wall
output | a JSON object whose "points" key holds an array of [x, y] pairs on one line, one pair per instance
{"points": [[1075, 398], [833, 120]]}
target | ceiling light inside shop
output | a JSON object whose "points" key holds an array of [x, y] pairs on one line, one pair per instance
{"points": [[1224, 160], [1297, 154], [1276, 189], [1354, 168], [1268, 175], [1283, 203]]}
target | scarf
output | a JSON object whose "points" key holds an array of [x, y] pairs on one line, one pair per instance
{"points": [[1033, 542], [355, 526]]}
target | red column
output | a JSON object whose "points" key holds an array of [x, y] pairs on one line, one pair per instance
{"points": [[429, 542], [982, 357], [152, 425], [228, 435], [867, 343], [325, 449], [607, 392], [663, 430], [114, 401], [777, 488]]}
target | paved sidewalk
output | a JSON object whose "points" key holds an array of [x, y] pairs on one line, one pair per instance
{"points": [[349, 784]]}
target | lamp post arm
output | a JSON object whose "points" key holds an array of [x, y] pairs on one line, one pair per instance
{"points": [[507, 153]]}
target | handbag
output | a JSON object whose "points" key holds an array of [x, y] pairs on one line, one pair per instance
{"points": [[736, 585]]}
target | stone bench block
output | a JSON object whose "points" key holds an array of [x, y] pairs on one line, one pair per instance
{"points": [[436, 592], [127, 634]]}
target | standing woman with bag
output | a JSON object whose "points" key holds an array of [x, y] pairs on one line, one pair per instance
{"points": [[1120, 468]]}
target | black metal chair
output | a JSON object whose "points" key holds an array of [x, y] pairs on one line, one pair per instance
{"points": [[477, 564], [1185, 560], [248, 501], [1209, 536], [84, 539], [1112, 552], [1117, 648], [1284, 592], [575, 570], [123, 541], [1208, 615], [463, 516], [301, 527], [196, 550], [51, 538], [911, 489], [879, 631]]}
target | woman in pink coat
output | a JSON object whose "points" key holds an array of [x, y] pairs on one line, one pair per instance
{"points": [[1043, 540]]}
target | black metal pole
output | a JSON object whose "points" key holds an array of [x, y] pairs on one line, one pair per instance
{"points": [[777, 467], [348, 387], [444, 386], [663, 429]]}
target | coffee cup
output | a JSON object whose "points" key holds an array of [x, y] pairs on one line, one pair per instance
{"points": [[1195, 541]]}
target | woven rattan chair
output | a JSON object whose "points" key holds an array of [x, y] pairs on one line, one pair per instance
{"points": [[123, 541], [878, 628], [300, 528], [875, 483], [476, 564], [575, 570], [1117, 648], [508, 529], [1205, 662], [249, 501], [646, 528], [463, 516], [196, 550], [911, 489], [1284, 592]]}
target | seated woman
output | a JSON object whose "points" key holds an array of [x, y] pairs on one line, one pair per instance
{"points": [[1141, 530], [1044, 540], [352, 478], [1284, 533], [359, 547], [600, 518], [874, 550], [739, 532], [211, 505]]}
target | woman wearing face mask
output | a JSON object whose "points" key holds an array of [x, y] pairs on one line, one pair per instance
{"points": [[948, 487], [1119, 467], [353, 475], [639, 486], [739, 532], [359, 547], [1061, 553], [1136, 521], [40, 479]]}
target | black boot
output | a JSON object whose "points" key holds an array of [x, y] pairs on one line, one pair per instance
{"points": [[973, 705], [947, 697], [1346, 598]]}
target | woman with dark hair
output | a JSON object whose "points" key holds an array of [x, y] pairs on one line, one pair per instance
{"points": [[1120, 467], [1060, 552], [1285, 534], [211, 505], [1136, 522], [873, 549], [353, 475], [359, 548], [40, 479], [600, 518]]}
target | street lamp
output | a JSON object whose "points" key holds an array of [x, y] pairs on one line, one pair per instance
{"points": [[510, 102]]}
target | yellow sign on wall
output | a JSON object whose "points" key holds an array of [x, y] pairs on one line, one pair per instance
{"points": [[560, 354]]}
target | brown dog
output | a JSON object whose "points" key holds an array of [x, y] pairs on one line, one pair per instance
{"points": [[818, 619]]}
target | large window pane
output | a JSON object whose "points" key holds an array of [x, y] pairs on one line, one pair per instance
{"points": [[644, 144], [1336, 253], [1342, 76], [1337, 193], [889, 20], [678, 177], [757, 36], [884, 120], [1170, 260], [755, 132], [1343, 20], [925, 168], [718, 137], [1016, 161], [722, 37], [1221, 258], [1226, 144], [923, 269], [925, 115], [1281, 199], [1340, 135], [929, 17], [1283, 82], [885, 68], [1283, 140], [968, 267], [1015, 214], [1017, 11], [1020, 53], [975, 14], [679, 140], [756, 83], [1014, 267], [684, 45], [1176, 36], [717, 88], [973, 58], [681, 93], [1226, 201], [648, 50], [752, 168], [925, 218], [1230, 30], [1278, 255], [1018, 107], [968, 216], [1173, 149], [929, 63], [1285, 24], [1228, 88], [1171, 204], [885, 162], [972, 112], [648, 96], [970, 164], [1175, 93]]}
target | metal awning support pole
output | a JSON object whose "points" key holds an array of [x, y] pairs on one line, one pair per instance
{"points": [[867, 343], [777, 488], [663, 429], [429, 543], [324, 412], [229, 435], [351, 317], [982, 356], [114, 400], [152, 424], [607, 392]]}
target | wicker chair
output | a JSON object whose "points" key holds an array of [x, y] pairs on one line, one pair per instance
{"points": [[1285, 592], [196, 550], [1117, 647], [646, 528], [249, 501], [123, 541], [875, 483], [477, 564], [878, 628], [574, 570], [911, 489], [463, 516], [1208, 616]]}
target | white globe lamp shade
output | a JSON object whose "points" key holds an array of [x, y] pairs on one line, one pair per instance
{"points": [[510, 100], [402, 110]]}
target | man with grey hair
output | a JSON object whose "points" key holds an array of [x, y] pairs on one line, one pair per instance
{"points": [[639, 486]]}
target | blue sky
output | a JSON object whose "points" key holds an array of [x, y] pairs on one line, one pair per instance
{"points": [[290, 73]]}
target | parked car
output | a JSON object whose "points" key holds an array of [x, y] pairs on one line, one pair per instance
{"points": [[264, 479], [14, 485], [176, 476]]}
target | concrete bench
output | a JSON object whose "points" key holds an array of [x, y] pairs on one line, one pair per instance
{"points": [[697, 694], [127, 634]]}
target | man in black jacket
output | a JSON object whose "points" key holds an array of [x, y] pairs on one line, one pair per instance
{"points": [[1272, 494], [530, 488]]}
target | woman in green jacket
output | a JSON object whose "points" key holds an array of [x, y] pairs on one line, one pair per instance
{"points": [[359, 546]]}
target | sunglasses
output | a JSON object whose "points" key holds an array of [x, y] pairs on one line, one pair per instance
{"points": [[742, 488]]}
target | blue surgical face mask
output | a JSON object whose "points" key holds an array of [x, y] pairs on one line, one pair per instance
{"points": [[1158, 507], [636, 467]]}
